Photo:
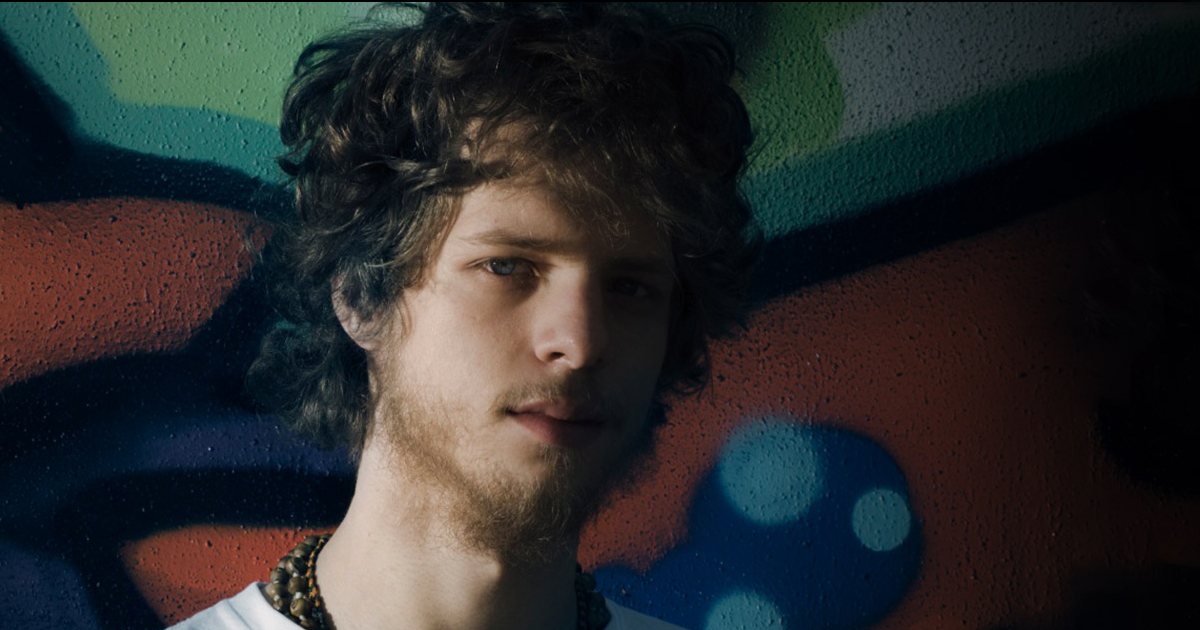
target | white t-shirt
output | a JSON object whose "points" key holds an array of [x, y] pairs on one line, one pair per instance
{"points": [[249, 610]]}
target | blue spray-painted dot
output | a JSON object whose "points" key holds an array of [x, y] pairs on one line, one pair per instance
{"points": [[744, 610], [771, 472], [881, 519]]}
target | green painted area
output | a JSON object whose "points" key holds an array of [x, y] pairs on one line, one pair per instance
{"points": [[227, 57], [993, 128], [791, 85]]}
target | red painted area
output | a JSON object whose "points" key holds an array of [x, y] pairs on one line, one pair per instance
{"points": [[183, 571], [86, 280], [968, 365]]}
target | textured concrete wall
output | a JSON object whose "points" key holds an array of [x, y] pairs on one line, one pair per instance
{"points": [[963, 398]]}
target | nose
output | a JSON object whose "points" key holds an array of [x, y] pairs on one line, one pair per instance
{"points": [[570, 327]]}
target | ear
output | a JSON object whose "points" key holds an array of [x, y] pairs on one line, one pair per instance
{"points": [[361, 331]]}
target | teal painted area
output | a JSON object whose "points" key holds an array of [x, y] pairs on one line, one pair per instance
{"points": [[57, 50], [54, 45], [227, 57], [199, 82], [881, 520], [771, 472], [744, 611], [993, 128]]}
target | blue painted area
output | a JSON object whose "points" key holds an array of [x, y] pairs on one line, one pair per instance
{"points": [[812, 571], [115, 451], [145, 443], [26, 577]]}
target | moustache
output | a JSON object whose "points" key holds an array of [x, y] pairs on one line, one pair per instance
{"points": [[581, 397]]}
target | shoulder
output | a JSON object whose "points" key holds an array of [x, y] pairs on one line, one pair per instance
{"points": [[626, 619], [247, 610]]}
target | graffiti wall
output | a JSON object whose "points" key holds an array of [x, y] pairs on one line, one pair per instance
{"points": [[964, 397]]}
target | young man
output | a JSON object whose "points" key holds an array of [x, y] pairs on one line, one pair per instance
{"points": [[516, 228]]}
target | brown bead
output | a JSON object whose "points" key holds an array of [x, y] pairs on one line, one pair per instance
{"points": [[291, 583], [278, 576], [275, 591], [598, 615], [296, 584], [299, 607], [586, 581]]}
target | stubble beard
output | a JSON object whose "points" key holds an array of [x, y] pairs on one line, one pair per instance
{"points": [[520, 521]]}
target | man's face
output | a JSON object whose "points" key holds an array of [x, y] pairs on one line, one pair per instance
{"points": [[518, 375]]}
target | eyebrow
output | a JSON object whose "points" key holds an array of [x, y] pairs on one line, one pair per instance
{"points": [[505, 238]]}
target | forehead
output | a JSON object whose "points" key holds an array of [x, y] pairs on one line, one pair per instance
{"points": [[531, 217]]}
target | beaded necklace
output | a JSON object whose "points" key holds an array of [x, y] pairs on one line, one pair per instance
{"points": [[293, 590]]}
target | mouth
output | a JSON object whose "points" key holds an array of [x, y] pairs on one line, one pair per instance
{"points": [[558, 423]]}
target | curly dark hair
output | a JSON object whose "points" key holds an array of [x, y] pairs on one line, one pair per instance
{"points": [[387, 125]]}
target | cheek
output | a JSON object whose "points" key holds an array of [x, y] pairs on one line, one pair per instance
{"points": [[472, 341], [657, 338], [646, 352]]}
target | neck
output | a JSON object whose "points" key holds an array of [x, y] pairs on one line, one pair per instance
{"points": [[395, 563]]}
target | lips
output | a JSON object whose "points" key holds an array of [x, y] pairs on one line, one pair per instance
{"points": [[559, 423]]}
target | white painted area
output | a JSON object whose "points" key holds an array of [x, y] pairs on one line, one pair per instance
{"points": [[384, 12], [913, 58], [359, 10], [744, 610], [881, 519], [771, 472]]}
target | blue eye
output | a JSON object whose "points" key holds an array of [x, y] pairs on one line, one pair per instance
{"points": [[502, 266], [630, 288], [508, 267]]}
